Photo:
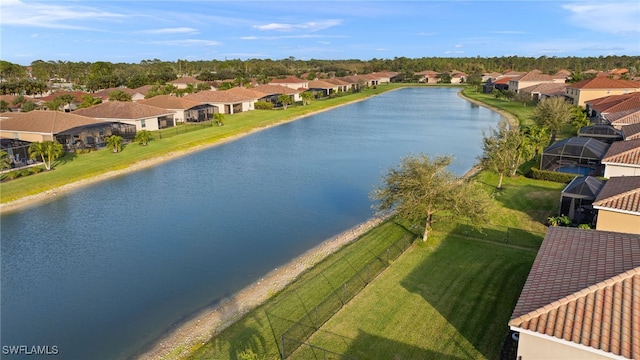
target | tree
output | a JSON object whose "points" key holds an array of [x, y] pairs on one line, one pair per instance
{"points": [[218, 119], [285, 100], [4, 106], [114, 143], [88, 101], [143, 137], [48, 151], [28, 106], [535, 139], [502, 150], [5, 160], [579, 118], [119, 95], [421, 187], [552, 113], [306, 96], [66, 99]]}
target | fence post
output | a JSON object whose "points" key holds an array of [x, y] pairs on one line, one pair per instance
{"points": [[282, 355], [506, 240]]}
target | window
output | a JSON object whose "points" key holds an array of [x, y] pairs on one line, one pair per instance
{"points": [[143, 124]]}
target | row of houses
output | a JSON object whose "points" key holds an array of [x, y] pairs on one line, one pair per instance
{"points": [[581, 299]]}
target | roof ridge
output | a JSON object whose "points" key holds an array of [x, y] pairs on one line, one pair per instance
{"points": [[575, 296], [620, 195]]}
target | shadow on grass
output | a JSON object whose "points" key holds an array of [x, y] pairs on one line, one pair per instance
{"points": [[474, 286]]}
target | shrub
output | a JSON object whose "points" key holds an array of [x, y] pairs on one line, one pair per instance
{"points": [[263, 105], [551, 175]]}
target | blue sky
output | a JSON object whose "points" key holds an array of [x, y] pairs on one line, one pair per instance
{"points": [[135, 30]]}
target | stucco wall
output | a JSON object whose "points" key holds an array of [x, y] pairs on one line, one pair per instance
{"points": [[586, 95], [617, 170], [537, 348], [30, 137], [618, 222]]}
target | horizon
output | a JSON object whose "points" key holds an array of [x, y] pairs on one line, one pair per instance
{"points": [[134, 31]]}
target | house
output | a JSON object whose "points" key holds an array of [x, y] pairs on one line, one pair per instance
{"points": [[185, 110], [272, 92], [427, 76], [144, 117], [602, 108], [501, 84], [631, 132], [576, 200], [184, 82], [622, 119], [618, 205], [291, 82], [540, 92], [580, 298], [232, 101], [71, 130], [490, 76], [575, 155], [598, 87], [533, 77], [104, 94], [341, 85], [385, 77], [622, 159], [77, 99], [11, 99], [323, 88], [458, 77]]}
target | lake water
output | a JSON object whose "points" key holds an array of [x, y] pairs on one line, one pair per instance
{"points": [[102, 271]]}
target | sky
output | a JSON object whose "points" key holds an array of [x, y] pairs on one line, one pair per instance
{"points": [[134, 30]]}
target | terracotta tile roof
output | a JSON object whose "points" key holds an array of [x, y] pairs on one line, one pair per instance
{"points": [[546, 88], [144, 89], [76, 94], [336, 81], [233, 95], [605, 104], [275, 89], [428, 73], [625, 118], [584, 287], [603, 82], [170, 102], [288, 80], [123, 110], [10, 98], [535, 75], [320, 84], [620, 193], [502, 80], [44, 121], [186, 80], [623, 152], [631, 132]]}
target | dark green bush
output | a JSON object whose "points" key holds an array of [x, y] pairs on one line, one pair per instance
{"points": [[263, 105], [551, 175]]}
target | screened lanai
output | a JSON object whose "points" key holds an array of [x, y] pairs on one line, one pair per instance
{"points": [[605, 133], [577, 199], [576, 155]]}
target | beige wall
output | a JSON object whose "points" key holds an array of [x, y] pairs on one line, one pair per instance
{"points": [[540, 348], [613, 170], [580, 96], [30, 137], [618, 222]]}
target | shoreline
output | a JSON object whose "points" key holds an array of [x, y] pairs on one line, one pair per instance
{"points": [[186, 335]]}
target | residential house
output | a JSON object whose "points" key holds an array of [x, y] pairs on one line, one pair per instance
{"points": [[232, 101], [186, 110], [618, 205], [271, 93], [427, 76], [501, 84], [543, 91], [77, 99], [580, 298], [576, 199], [323, 88], [622, 159], [341, 85], [291, 82], [598, 87], [104, 94], [576, 155], [385, 77], [11, 99], [599, 108], [458, 77], [72, 130], [490, 76], [184, 82], [144, 117], [533, 77]]}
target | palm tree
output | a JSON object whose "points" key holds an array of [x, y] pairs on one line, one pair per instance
{"points": [[143, 137], [285, 100], [535, 139], [48, 151], [114, 143], [5, 161], [306, 97], [218, 118], [66, 99]]}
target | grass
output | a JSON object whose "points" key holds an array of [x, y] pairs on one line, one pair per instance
{"points": [[72, 167], [449, 298]]}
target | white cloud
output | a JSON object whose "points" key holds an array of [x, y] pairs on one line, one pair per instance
{"points": [[19, 13], [306, 26], [187, 42], [301, 36], [427, 33], [608, 17], [178, 30]]}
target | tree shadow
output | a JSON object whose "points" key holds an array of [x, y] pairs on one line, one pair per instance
{"points": [[390, 349], [474, 286]]}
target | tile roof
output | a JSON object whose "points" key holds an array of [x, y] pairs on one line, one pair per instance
{"points": [[623, 152], [123, 110], [625, 118], [44, 121], [170, 102], [144, 89], [631, 132], [320, 84], [275, 89], [233, 95], [584, 287], [605, 102], [186, 80], [546, 88], [288, 80], [620, 193], [603, 82], [76, 94], [535, 75], [336, 81]]}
